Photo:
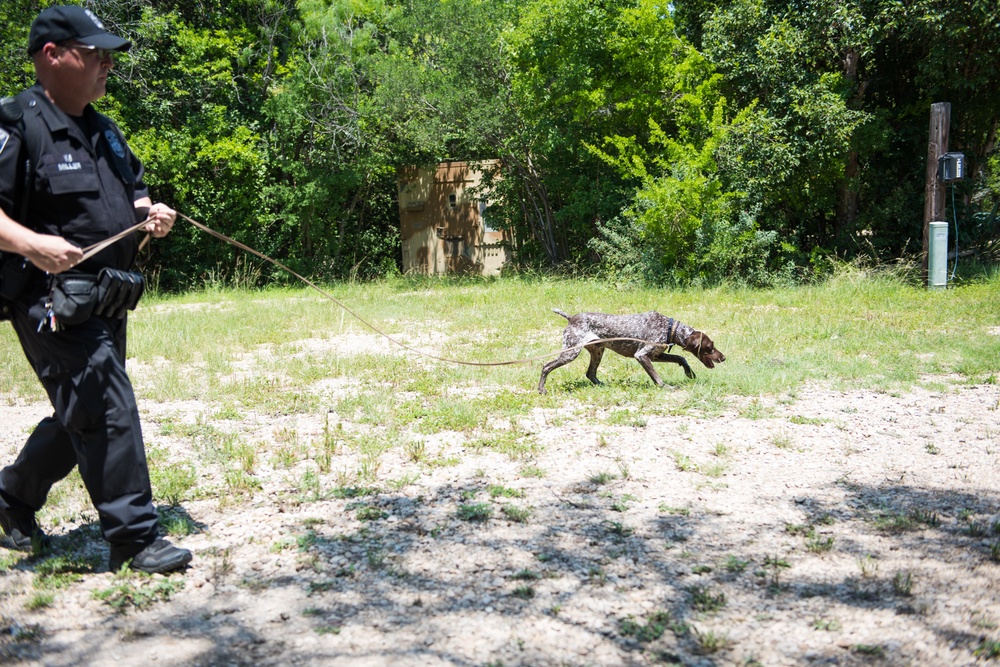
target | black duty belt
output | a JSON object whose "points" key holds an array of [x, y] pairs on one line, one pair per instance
{"points": [[76, 297]]}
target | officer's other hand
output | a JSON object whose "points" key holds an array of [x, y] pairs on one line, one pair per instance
{"points": [[161, 220], [53, 254]]}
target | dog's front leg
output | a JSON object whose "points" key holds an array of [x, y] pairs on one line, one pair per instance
{"points": [[676, 359]]}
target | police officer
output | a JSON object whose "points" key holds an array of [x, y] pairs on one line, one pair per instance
{"points": [[84, 186]]}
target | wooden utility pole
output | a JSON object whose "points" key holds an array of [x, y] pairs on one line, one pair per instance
{"points": [[934, 198]]}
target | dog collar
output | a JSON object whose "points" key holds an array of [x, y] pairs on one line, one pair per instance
{"points": [[670, 330]]}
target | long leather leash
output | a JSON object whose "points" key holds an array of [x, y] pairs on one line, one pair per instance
{"points": [[90, 251]]}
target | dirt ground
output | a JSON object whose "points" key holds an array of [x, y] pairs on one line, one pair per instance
{"points": [[820, 528]]}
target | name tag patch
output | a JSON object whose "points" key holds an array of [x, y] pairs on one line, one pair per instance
{"points": [[69, 166]]}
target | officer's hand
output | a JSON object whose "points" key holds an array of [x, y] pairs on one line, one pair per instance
{"points": [[161, 220], [53, 254]]}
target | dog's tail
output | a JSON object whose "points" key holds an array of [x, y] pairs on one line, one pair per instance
{"points": [[556, 310]]}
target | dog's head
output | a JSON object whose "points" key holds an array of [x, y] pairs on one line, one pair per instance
{"points": [[701, 346]]}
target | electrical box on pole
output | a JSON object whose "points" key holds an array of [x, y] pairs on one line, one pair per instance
{"points": [[951, 167]]}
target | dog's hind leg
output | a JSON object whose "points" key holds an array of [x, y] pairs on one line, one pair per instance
{"points": [[596, 352], [563, 359], [572, 344]]}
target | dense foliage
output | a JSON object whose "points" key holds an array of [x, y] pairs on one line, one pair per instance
{"points": [[690, 142]]}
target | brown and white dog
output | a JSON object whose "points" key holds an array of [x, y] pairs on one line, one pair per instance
{"points": [[645, 336]]}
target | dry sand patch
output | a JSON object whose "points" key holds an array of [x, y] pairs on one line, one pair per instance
{"points": [[838, 528]]}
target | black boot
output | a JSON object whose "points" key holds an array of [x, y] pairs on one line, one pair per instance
{"points": [[159, 557], [22, 530]]}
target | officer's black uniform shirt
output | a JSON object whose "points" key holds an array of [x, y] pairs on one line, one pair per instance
{"points": [[86, 182]]}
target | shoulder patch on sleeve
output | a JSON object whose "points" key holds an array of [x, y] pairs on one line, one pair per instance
{"points": [[10, 110], [4, 136], [113, 142]]}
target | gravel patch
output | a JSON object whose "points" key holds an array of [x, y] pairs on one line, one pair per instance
{"points": [[824, 528]]}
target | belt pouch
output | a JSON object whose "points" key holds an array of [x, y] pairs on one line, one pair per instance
{"points": [[109, 290], [73, 297], [136, 289], [118, 291]]}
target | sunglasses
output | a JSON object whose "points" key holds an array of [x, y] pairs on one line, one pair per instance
{"points": [[101, 53]]}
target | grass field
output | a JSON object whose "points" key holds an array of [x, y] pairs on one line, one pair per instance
{"points": [[856, 330]]}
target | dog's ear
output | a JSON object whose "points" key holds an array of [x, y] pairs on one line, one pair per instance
{"points": [[704, 344], [693, 343], [704, 353]]}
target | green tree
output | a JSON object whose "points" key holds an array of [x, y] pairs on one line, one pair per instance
{"points": [[682, 225], [832, 140], [446, 86], [188, 95], [16, 72], [333, 176], [793, 149], [934, 52], [571, 88], [528, 82]]}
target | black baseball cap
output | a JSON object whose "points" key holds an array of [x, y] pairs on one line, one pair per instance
{"points": [[64, 22]]}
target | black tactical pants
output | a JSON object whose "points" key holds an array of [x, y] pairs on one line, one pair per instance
{"points": [[95, 426]]}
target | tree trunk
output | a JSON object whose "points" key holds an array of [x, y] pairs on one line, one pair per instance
{"points": [[847, 197], [847, 189], [536, 206]]}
